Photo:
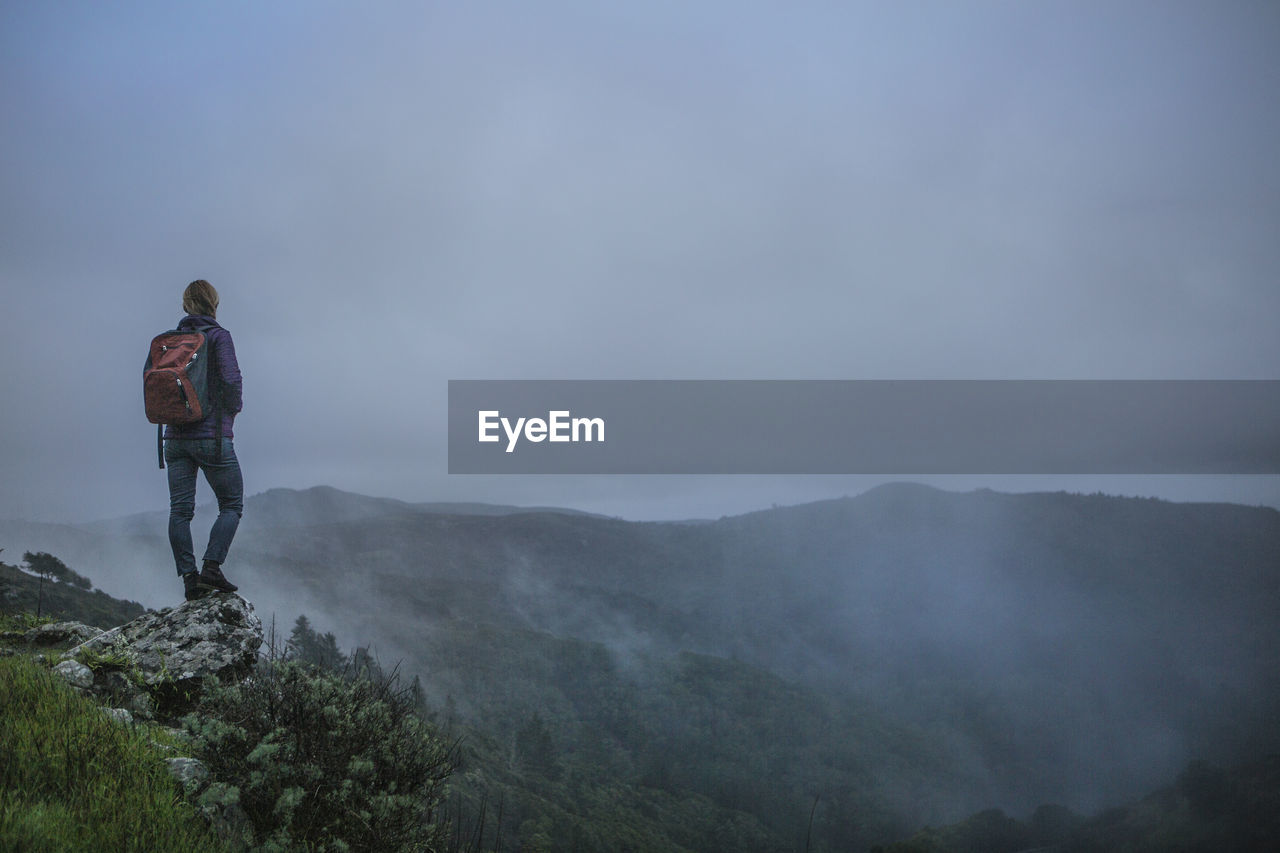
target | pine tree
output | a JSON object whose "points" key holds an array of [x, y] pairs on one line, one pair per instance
{"points": [[309, 647]]}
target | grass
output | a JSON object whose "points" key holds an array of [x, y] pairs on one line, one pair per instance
{"points": [[22, 621], [115, 657], [72, 779]]}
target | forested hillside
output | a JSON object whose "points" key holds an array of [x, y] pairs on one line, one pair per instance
{"points": [[833, 675]]}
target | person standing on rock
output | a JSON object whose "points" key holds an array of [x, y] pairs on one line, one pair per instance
{"points": [[206, 446]]}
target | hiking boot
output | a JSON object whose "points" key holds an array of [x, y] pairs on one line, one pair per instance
{"points": [[211, 578], [191, 585]]}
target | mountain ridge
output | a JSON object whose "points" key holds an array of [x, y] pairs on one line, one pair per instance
{"points": [[1059, 647]]}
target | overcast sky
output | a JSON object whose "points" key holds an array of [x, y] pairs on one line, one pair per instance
{"points": [[392, 195]]}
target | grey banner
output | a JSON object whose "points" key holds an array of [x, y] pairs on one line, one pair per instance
{"points": [[864, 427]]}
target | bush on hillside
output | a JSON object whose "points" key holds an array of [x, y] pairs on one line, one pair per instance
{"points": [[323, 762]]}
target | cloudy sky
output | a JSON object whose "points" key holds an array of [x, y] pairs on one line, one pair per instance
{"points": [[392, 195]]}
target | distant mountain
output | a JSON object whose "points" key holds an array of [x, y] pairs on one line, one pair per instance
{"points": [[908, 655], [308, 507], [131, 554], [1207, 808], [327, 505]]}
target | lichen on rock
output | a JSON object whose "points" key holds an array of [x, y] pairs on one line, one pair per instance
{"points": [[57, 633], [168, 653]]}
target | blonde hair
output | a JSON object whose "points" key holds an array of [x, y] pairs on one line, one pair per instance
{"points": [[200, 298]]}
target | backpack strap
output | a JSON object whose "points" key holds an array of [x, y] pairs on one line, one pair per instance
{"points": [[215, 386], [160, 444]]}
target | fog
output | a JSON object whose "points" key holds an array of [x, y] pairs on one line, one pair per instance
{"points": [[968, 650], [388, 197], [391, 198]]}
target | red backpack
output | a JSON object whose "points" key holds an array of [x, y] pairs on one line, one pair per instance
{"points": [[177, 380]]}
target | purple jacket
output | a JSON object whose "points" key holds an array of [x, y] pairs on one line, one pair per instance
{"points": [[228, 380]]}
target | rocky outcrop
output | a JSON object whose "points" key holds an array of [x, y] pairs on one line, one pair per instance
{"points": [[218, 635], [60, 633], [75, 673], [52, 635], [159, 660], [152, 669]]}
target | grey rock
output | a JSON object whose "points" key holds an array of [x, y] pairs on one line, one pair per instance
{"points": [[76, 674], [115, 682], [167, 744], [115, 688], [179, 734], [190, 772], [141, 705], [120, 715], [218, 635], [58, 633]]}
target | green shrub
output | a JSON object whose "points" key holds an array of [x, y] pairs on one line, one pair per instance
{"points": [[23, 621], [324, 763], [71, 779]]}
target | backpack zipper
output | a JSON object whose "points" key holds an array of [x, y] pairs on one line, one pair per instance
{"points": [[186, 401]]}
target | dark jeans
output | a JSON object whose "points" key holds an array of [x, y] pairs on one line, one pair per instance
{"points": [[183, 459]]}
